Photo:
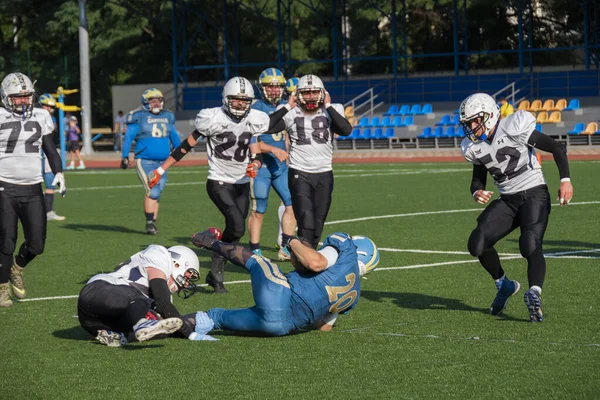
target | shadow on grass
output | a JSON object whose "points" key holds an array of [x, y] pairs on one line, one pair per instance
{"points": [[559, 246], [78, 333], [98, 227]]}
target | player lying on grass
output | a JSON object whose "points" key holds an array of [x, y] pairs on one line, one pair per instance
{"points": [[324, 284], [134, 301]]}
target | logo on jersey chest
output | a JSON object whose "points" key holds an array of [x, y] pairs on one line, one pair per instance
{"points": [[151, 120]]}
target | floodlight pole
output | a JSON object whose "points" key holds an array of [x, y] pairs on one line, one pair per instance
{"points": [[84, 72]]}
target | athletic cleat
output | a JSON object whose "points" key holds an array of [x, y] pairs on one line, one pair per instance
{"points": [[258, 252], [148, 329], [111, 338], [533, 301], [52, 216], [151, 228], [216, 285], [505, 291], [283, 254], [71, 166], [81, 165], [5, 300], [16, 282]]}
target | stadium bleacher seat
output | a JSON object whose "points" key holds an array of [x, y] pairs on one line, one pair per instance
{"points": [[536, 105], [580, 126], [524, 105], [405, 109], [349, 114], [393, 110], [542, 118], [427, 133], [375, 121], [590, 129], [455, 120], [386, 122], [366, 134], [377, 133], [548, 105], [460, 132], [415, 109], [389, 132], [427, 109], [364, 121], [560, 105], [438, 132], [554, 117], [573, 105], [450, 131], [408, 120], [444, 121], [539, 127], [397, 121]]}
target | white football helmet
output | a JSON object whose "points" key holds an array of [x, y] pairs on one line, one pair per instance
{"points": [[479, 106], [186, 269], [237, 88], [309, 83], [17, 85]]}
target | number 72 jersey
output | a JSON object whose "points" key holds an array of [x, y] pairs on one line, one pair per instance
{"points": [[507, 155], [20, 144], [311, 139]]}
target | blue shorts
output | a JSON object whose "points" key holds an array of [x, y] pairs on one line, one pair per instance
{"points": [[48, 178], [272, 313], [143, 168], [261, 186]]}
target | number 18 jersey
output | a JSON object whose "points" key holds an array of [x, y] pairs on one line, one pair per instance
{"points": [[20, 146], [228, 142], [311, 139], [507, 156]]}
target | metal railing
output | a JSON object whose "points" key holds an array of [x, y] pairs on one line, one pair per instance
{"points": [[368, 104]]}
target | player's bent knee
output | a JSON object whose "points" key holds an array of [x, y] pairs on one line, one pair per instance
{"points": [[274, 329], [476, 244], [529, 243]]}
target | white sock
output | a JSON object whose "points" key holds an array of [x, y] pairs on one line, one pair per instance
{"points": [[536, 289], [280, 212]]}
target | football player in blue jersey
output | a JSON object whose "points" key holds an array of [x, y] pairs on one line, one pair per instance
{"points": [[274, 170], [325, 283], [48, 103], [153, 129]]}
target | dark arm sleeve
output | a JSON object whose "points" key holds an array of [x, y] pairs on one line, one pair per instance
{"points": [[558, 150], [276, 123], [161, 294], [479, 178], [339, 123], [51, 154]]}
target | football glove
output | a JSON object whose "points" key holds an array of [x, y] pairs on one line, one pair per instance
{"points": [[59, 181], [252, 169], [154, 177], [124, 163], [207, 238]]}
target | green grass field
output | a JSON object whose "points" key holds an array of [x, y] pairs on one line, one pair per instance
{"points": [[421, 328]]}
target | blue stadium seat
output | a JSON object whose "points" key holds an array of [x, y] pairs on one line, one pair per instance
{"points": [[397, 121], [539, 127], [393, 110], [415, 109], [573, 105], [444, 121], [455, 120], [409, 120], [580, 126], [438, 132], [366, 134], [389, 132], [405, 109], [378, 134], [364, 121], [450, 131], [460, 132], [426, 133], [427, 109], [386, 122], [374, 122]]}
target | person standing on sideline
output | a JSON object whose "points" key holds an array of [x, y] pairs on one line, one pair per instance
{"points": [[153, 129], [505, 148], [73, 132], [118, 131]]}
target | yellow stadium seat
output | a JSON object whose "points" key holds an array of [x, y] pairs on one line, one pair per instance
{"points": [[554, 117], [560, 105], [548, 105], [590, 129], [524, 105], [542, 118], [349, 114], [536, 105]]}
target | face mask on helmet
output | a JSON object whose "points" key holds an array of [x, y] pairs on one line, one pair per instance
{"points": [[153, 100], [367, 252], [311, 93], [17, 95], [479, 115], [185, 270], [272, 84], [237, 97]]}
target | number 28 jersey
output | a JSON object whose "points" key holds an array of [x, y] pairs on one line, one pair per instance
{"points": [[507, 156], [311, 139], [228, 142], [20, 146]]}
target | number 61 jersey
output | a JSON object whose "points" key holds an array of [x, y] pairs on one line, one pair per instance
{"points": [[507, 156], [311, 137], [20, 146], [228, 141]]}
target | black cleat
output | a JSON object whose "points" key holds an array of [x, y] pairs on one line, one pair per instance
{"points": [[151, 228], [215, 284]]}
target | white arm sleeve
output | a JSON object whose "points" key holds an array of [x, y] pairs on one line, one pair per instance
{"points": [[331, 254]]}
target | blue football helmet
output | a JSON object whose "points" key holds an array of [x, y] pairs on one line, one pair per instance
{"points": [[291, 84], [47, 100], [272, 84], [368, 254], [152, 93]]}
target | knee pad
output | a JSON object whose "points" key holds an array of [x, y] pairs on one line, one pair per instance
{"points": [[259, 205], [529, 243], [154, 193], [476, 243], [8, 246]]}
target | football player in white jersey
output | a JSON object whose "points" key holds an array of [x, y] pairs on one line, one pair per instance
{"points": [[506, 149], [311, 121], [134, 301], [233, 158], [24, 131]]}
